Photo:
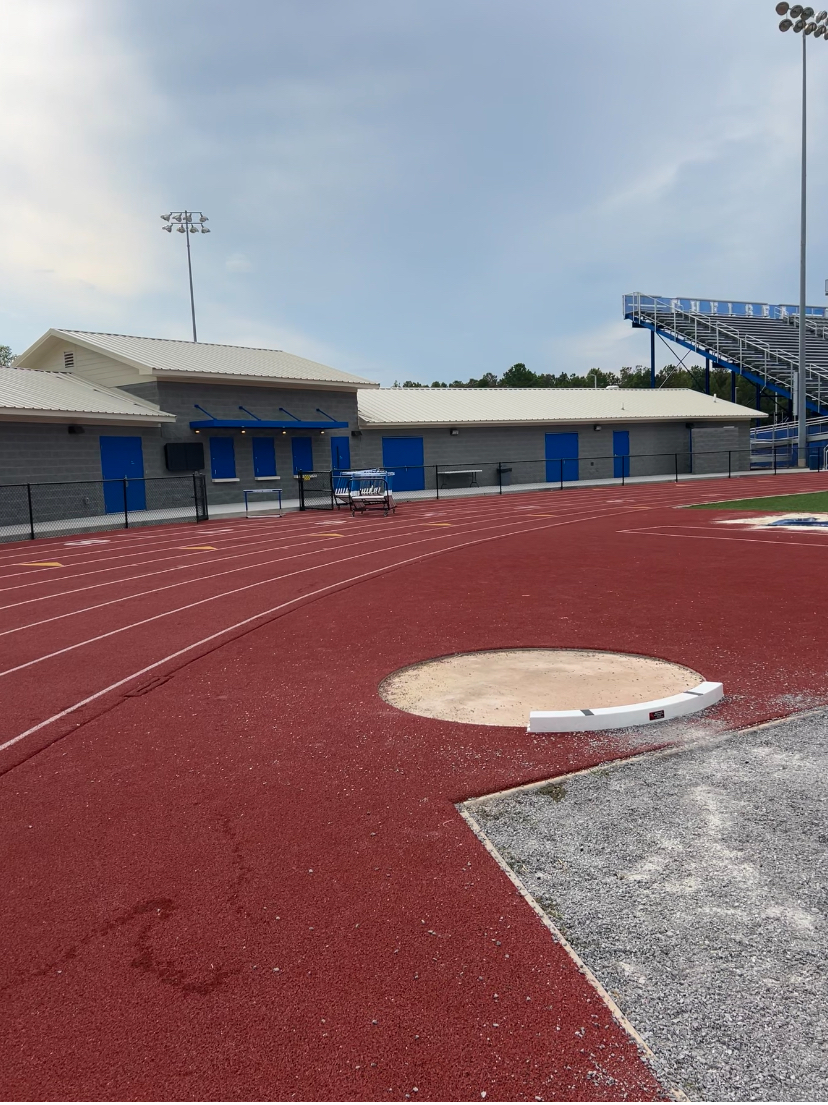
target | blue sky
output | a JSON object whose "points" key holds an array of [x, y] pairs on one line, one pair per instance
{"points": [[414, 190]]}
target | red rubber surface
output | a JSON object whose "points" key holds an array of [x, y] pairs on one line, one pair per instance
{"points": [[241, 874]]}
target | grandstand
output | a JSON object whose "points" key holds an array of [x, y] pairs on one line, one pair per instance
{"points": [[759, 341]]}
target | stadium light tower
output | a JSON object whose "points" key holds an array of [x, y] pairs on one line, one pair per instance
{"points": [[187, 222], [804, 22]]}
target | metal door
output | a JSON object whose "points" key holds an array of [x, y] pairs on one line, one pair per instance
{"points": [[404, 456], [561, 457], [123, 458]]}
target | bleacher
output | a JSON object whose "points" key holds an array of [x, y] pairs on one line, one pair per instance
{"points": [[759, 341]]}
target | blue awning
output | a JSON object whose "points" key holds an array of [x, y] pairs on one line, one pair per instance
{"points": [[263, 424]]}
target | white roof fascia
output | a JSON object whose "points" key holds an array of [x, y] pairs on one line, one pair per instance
{"points": [[87, 418], [186, 376], [625, 420]]}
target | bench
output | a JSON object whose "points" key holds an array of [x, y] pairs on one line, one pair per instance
{"points": [[472, 473]]}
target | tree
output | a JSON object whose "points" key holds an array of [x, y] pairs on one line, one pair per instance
{"points": [[6, 356], [519, 376]]}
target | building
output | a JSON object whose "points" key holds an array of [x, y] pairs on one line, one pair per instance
{"points": [[82, 406], [240, 414], [536, 435]]}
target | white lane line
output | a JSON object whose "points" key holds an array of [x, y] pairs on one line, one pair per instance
{"points": [[315, 550], [273, 610], [389, 534], [743, 540], [246, 587], [284, 534]]}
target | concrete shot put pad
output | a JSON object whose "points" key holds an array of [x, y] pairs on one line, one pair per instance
{"points": [[694, 885], [503, 686]]}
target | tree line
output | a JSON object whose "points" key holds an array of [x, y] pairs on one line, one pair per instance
{"points": [[671, 376]]}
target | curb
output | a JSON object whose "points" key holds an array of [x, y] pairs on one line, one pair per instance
{"points": [[620, 717]]}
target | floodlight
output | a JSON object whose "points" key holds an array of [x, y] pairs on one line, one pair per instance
{"points": [[823, 15], [820, 31], [782, 8], [167, 228], [786, 25], [807, 13], [799, 26], [181, 229], [204, 218], [810, 28], [166, 218], [204, 230], [795, 11]]}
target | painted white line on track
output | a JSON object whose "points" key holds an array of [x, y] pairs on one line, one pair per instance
{"points": [[261, 583], [313, 549], [316, 550], [266, 613]]}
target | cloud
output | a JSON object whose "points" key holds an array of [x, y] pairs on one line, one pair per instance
{"points": [[238, 262], [73, 195]]}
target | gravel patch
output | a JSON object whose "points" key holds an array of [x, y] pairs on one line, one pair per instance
{"points": [[694, 885]]}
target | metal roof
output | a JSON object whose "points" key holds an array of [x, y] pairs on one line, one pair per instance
{"points": [[541, 406], [27, 394], [165, 355]]}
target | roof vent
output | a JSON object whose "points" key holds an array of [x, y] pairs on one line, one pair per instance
{"points": [[68, 360]]}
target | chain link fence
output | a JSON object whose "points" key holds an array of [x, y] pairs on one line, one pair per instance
{"points": [[31, 510]]}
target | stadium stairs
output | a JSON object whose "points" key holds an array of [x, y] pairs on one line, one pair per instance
{"points": [[759, 341]]}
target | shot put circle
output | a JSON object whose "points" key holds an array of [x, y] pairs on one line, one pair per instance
{"points": [[502, 686]]}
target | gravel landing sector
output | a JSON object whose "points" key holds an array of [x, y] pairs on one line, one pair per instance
{"points": [[694, 885]]}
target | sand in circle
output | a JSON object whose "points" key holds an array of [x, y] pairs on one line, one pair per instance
{"points": [[501, 687]]}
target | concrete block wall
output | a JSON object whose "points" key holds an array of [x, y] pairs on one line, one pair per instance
{"points": [[34, 452], [653, 448], [223, 401]]}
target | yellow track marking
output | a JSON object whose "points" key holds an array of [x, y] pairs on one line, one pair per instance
{"points": [[201, 548], [438, 523], [40, 564]]}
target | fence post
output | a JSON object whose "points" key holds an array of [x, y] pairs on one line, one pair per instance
{"points": [[728, 464], [774, 457], [437, 479], [126, 508], [31, 512], [500, 477], [676, 458], [300, 483], [333, 500], [561, 464], [623, 470]]}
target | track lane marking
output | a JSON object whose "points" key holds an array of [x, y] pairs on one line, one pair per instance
{"points": [[235, 591], [274, 609], [475, 527], [375, 536]]}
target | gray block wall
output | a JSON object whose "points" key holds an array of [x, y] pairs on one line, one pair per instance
{"points": [[655, 448]]}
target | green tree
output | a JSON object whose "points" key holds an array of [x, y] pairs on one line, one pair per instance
{"points": [[6, 356], [518, 376]]}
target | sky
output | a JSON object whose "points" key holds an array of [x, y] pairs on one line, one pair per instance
{"points": [[409, 190]]}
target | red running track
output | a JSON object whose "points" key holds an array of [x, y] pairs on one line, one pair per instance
{"points": [[231, 871]]}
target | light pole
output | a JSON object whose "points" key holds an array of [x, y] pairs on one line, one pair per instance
{"points": [[804, 22], [188, 222]]}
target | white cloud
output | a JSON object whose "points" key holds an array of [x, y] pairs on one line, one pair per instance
{"points": [[238, 262], [73, 195]]}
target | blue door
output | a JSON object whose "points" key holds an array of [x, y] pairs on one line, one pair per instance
{"points": [[561, 457], [620, 453], [404, 456], [302, 454], [264, 456], [222, 458], [122, 458], [340, 452]]}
